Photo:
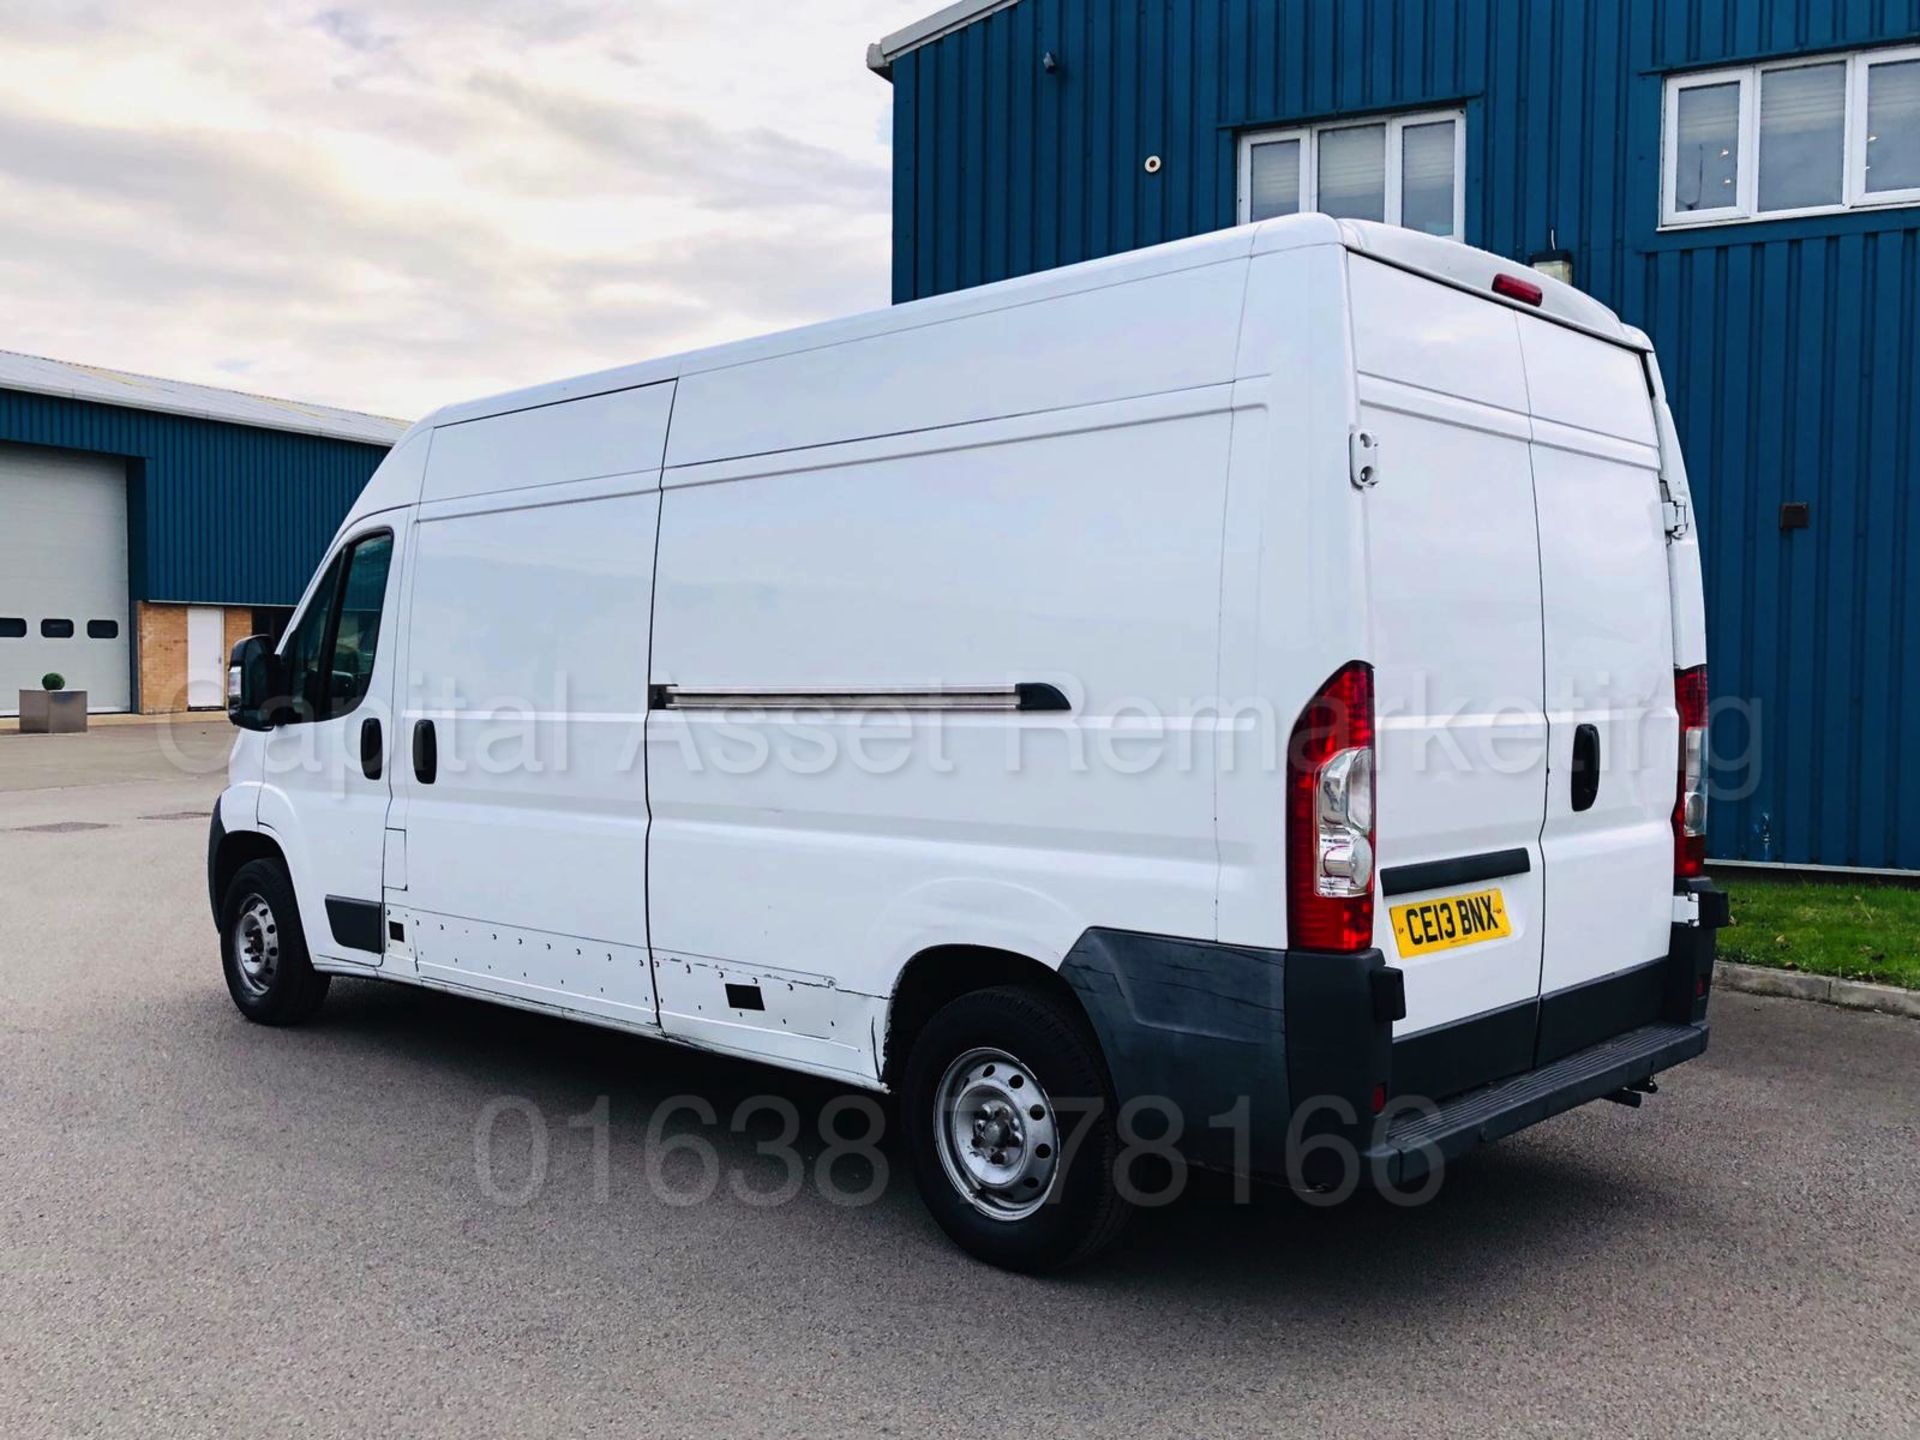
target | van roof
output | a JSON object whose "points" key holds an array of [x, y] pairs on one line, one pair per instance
{"points": [[1447, 261], [1474, 270]]}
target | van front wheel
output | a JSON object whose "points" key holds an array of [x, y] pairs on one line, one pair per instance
{"points": [[264, 950], [1010, 1125]]}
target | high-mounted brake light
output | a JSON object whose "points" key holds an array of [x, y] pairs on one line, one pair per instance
{"points": [[1514, 288], [1690, 805], [1330, 816]]}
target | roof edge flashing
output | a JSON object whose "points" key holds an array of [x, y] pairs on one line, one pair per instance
{"points": [[27, 374], [937, 26]]}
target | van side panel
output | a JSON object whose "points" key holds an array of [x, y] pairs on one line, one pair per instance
{"points": [[613, 434], [1171, 332], [1080, 549], [1293, 598]]}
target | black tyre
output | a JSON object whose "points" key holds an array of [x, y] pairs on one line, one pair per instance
{"points": [[1013, 1180], [263, 949]]}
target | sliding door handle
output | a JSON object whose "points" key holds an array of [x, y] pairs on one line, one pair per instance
{"points": [[426, 752], [1586, 766]]}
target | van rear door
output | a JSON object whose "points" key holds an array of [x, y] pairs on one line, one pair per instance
{"points": [[1607, 840], [1453, 579]]}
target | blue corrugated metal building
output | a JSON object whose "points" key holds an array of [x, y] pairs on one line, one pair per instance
{"points": [[146, 522], [1740, 178]]}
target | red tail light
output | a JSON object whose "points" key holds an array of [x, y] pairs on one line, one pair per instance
{"points": [[1330, 816], [1690, 804]]}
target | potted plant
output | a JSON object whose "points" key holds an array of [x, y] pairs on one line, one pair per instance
{"points": [[53, 709]]}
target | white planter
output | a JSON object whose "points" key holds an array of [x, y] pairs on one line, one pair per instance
{"points": [[53, 712]]}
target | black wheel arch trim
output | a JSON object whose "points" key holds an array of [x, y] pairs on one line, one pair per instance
{"points": [[228, 850], [216, 837]]}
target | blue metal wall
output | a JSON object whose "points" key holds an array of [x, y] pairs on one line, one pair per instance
{"points": [[220, 514], [1790, 346]]}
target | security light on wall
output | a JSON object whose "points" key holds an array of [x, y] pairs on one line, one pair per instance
{"points": [[1556, 263]]}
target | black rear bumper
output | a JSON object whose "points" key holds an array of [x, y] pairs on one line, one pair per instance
{"points": [[1415, 1142], [1282, 1063]]}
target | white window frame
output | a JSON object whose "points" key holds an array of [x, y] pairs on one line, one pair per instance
{"points": [[1746, 208], [1746, 176], [1396, 125], [1857, 128]]}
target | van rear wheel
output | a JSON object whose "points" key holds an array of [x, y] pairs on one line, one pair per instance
{"points": [[264, 950], [1010, 1128]]}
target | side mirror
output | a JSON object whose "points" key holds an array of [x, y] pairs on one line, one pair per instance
{"points": [[254, 693]]}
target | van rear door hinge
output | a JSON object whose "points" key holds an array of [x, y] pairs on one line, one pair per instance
{"points": [[1673, 515], [1363, 453]]}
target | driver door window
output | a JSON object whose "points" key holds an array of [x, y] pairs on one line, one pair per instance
{"points": [[330, 650], [303, 647]]}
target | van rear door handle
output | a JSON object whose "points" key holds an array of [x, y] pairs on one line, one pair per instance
{"points": [[370, 748], [426, 752], [1586, 766]]}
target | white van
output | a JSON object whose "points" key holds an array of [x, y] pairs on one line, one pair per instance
{"points": [[1257, 681]]}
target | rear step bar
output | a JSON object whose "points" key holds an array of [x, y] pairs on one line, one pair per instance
{"points": [[1612, 1069]]}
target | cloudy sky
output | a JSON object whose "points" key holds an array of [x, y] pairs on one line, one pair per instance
{"points": [[394, 204]]}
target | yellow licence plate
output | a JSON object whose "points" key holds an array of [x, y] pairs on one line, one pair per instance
{"points": [[1425, 926]]}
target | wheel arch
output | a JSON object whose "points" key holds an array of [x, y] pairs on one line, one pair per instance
{"points": [[234, 849], [943, 973]]}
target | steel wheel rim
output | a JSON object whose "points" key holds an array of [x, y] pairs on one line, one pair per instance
{"points": [[997, 1135], [256, 945]]}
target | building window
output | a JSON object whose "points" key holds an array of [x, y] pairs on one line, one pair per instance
{"points": [[56, 629], [1404, 169], [103, 629], [1799, 137], [12, 627]]}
